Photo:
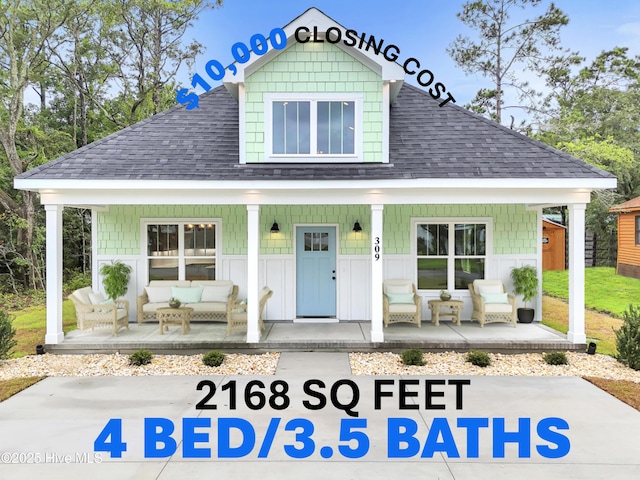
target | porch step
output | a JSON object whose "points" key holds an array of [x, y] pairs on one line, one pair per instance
{"points": [[334, 337]]}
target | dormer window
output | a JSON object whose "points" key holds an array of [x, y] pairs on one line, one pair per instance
{"points": [[324, 127]]}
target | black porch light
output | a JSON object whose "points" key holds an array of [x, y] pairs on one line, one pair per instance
{"points": [[357, 227], [275, 228]]}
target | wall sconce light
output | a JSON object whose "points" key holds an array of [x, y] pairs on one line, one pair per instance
{"points": [[357, 227], [275, 228]]}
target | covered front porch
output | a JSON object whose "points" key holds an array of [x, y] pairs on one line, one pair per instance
{"points": [[341, 336]]}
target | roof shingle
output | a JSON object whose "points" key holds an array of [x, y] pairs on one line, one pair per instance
{"points": [[426, 141]]}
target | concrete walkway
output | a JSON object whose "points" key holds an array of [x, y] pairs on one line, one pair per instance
{"points": [[51, 430]]}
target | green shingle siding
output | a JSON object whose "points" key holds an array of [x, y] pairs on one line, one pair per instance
{"points": [[313, 68]]}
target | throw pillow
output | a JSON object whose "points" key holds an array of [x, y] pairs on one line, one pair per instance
{"points": [[495, 297], [96, 298], [158, 294], [406, 288], [106, 302], [400, 297], [216, 293], [484, 288], [187, 294]]}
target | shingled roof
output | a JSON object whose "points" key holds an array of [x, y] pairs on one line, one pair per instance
{"points": [[426, 141]]}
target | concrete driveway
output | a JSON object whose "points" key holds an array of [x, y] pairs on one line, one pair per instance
{"points": [[301, 423]]}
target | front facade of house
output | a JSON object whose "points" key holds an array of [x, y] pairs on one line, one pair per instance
{"points": [[628, 262], [316, 171]]}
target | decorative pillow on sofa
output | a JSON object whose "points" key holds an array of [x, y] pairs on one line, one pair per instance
{"points": [[158, 294], [216, 293], [400, 297], [495, 297], [187, 294]]}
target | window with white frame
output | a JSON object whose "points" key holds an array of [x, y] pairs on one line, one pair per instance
{"points": [[182, 250], [326, 128], [450, 254]]}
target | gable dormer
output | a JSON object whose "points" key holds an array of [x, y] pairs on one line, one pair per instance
{"points": [[322, 98]]}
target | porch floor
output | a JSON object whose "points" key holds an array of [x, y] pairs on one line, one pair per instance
{"points": [[336, 337]]}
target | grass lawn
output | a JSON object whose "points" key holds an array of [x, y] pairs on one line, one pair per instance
{"points": [[30, 327], [605, 291]]}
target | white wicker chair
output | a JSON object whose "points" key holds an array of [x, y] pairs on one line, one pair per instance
{"points": [[238, 317], [489, 312], [97, 315], [409, 311]]}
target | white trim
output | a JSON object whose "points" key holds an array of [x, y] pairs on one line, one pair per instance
{"points": [[576, 332], [386, 108], [577, 185], [415, 221], [94, 248], [295, 264], [53, 247], [377, 272], [253, 272], [313, 99], [242, 125], [146, 221]]}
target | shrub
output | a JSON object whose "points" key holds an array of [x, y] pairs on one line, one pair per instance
{"points": [[478, 358], [555, 358], [7, 332], [213, 358], [75, 280], [412, 356], [140, 357], [628, 338]]}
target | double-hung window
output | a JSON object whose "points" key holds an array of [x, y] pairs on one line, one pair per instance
{"points": [[181, 250], [450, 254], [325, 128]]}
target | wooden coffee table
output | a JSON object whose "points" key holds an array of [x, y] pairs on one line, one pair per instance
{"points": [[174, 316], [454, 306]]}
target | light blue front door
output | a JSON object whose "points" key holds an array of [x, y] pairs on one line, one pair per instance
{"points": [[316, 271]]}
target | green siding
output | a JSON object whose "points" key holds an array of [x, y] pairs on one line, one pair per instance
{"points": [[514, 228], [350, 242], [119, 228], [312, 68]]}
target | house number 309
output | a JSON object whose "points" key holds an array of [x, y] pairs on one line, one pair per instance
{"points": [[376, 248]]}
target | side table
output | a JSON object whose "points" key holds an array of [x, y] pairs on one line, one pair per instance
{"points": [[454, 306], [174, 316]]}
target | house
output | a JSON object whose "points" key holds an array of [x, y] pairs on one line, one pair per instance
{"points": [[628, 263], [316, 170]]}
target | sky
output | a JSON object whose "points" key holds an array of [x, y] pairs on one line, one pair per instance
{"points": [[422, 29]]}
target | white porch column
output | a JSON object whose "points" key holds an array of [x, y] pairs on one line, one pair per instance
{"points": [[54, 273], [376, 273], [253, 251], [576, 333]]}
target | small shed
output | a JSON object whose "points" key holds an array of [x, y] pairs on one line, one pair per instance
{"points": [[553, 245], [628, 264]]}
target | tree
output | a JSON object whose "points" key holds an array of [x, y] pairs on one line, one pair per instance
{"points": [[148, 48], [504, 48], [25, 27]]}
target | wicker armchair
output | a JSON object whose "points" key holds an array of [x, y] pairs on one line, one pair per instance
{"points": [[238, 318], [90, 315], [400, 302], [491, 303]]}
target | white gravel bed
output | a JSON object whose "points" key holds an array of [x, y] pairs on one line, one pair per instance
{"points": [[528, 364], [118, 365], [442, 364]]}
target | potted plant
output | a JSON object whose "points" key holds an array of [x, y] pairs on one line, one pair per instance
{"points": [[525, 283], [115, 279]]}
